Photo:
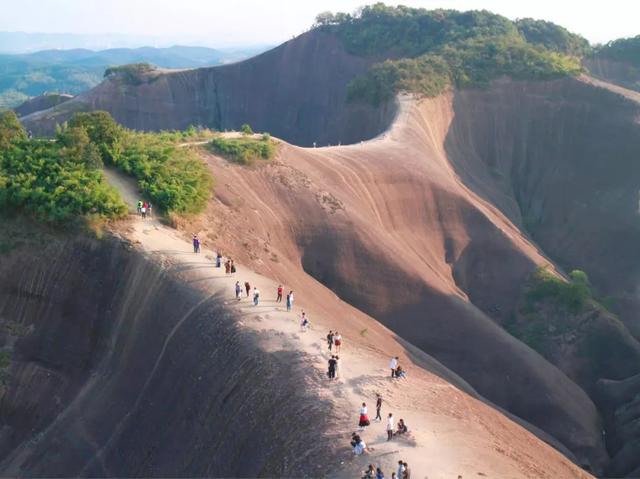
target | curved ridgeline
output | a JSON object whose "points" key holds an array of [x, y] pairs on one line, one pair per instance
{"points": [[296, 91], [104, 345]]}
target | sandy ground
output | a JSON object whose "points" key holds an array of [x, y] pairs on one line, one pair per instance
{"points": [[451, 434]]}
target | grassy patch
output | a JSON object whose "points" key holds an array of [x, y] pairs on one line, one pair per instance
{"points": [[245, 150]]}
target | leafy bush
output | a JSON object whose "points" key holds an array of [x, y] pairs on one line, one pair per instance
{"points": [[133, 74], [174, 178], [433, 49], [622, 50], [54, 182], [246, 129], [245, 150], [572, 295], [10, 129]]}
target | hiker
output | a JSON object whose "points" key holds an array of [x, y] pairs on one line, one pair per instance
{"points": [[238, 290], [218, 260], [337, 341], [364, 420], [196, 244], [337, 366], [232, 267], [330, 339], [279, 298], [290, 301], [332, 368], [402, 428], [227, 266], [407, 472], [378, 407], [400, 469], [379, 473], [143, 211], [149, 209], [304, 323], [247, 286], [369, 473], [393, 365], [400, 373], [256, 296], [389, 427], [355, 439], [139, 207]]}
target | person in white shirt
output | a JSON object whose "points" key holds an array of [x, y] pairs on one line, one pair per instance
{"points": [[256, 296], [364, 419], [393, 365], [360, 448], [389, 427]]}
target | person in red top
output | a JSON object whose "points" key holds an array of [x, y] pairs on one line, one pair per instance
{"points": [[279, 300]]}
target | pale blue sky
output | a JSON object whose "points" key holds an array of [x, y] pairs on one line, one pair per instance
{"points": [[234, 22]]}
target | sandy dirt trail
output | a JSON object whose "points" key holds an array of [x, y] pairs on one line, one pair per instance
{"points": [[452, 434]]}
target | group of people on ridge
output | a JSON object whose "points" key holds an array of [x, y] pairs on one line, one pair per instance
{"points": [[396, 369], [143, 208], [403, 472]]}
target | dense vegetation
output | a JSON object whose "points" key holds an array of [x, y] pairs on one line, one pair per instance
{"points": [[432, 49], [623, 50], [245, 150], [62, 180], [172, 177], [55, 181], [133, 73]]}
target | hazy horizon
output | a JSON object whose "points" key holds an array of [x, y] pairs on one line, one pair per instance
{"points": [[133, 23]]}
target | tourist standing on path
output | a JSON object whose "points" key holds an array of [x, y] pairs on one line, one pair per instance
{"points": [[143, 210], [238, 290], [256, 296], [390, 427], [218, 260], [196, 244], [304, 322], [400, 470], [337, 366], [378, 407], [330, 339], [407, 472], [332, 367], [139, 207], [290, 301], [337, 341], [247, 286], [393, 365], [364, 419], [279, 298], [149, 208], [227, 266], [232, 268]]}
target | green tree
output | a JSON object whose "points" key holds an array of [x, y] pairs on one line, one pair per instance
{"points": [[11, 129], [246, 129]]}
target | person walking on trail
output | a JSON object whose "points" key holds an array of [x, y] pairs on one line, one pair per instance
{"points": [[279, 298], [378, 407], [238, 290], [139, 207], [304, 323], [218, 260], [407, 472], [400, 469], [143, 211], [393, 364], [196, 244], [227, 267], [332, 368], [290, 301], [364, 419], [337, 341], [256, 296], [390, 427], [337, 366], [330, 339], [149, 208], [247, 287], [232, 267], [369, 473]]}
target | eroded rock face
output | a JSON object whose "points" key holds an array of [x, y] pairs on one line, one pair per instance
{"points": [[296, 91], [42, 102], [613, 71], [118, 370]]}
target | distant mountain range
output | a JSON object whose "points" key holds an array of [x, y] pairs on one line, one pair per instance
{"points": [[23, 76]]}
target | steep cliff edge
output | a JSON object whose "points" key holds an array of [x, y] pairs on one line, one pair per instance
{"points": [[296, 91]]}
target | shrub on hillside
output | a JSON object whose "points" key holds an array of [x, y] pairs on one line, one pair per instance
{"points": [[245, 150]]}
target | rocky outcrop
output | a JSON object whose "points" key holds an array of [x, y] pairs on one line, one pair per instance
{"points": [[620, 73], [42, 102], [117, 369], [296, 91]]}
